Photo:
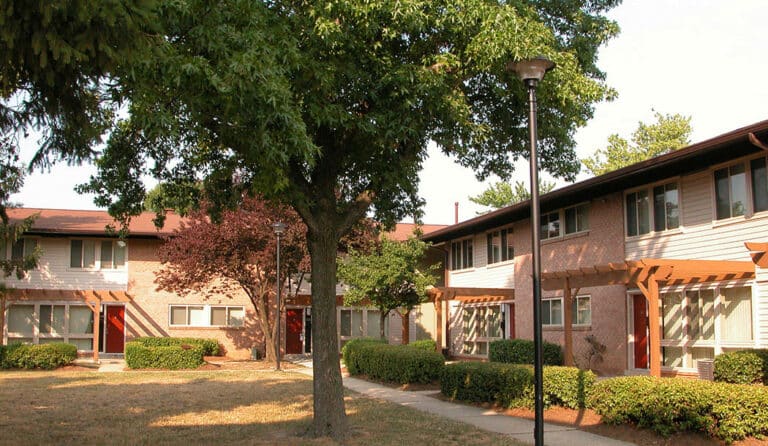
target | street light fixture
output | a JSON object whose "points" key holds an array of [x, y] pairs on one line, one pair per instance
{"points": [[279, 228], [531, 72]]}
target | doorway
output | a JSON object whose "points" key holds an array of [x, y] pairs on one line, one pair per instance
{"points": [[114, 328], [640, 330]]}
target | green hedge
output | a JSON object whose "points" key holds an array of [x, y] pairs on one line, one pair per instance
{"points": [[742, 367], [511, 385], [424, 344], [726, 411], [43, 356], [139, 356], [210, 346], [350, 353], [520, 351], [394, 363]]}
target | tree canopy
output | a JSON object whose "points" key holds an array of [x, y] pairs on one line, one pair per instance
{"points": [[502, 194], [668, 133], [392, 277], [328, 107]]}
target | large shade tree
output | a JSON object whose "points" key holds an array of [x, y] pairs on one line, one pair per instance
{"points": [[328, 107]]}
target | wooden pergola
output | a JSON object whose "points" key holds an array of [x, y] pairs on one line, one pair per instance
{"points": [[92, 298], [647, 275]]}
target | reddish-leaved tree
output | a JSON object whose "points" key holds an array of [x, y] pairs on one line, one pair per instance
{"points": [[237, 254]]}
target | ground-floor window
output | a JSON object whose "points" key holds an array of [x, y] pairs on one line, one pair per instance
{"points": [[44, 323], [359, 323], [700, 323], [206, 316], [552, 311], [481, 325]]}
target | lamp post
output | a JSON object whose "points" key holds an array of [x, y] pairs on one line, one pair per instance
{"points": [[279, 228], [531, 72]]}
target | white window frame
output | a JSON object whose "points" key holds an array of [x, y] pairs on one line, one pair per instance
{"points": [[65, 336], [501, 235], [343, 338], [206, 315], [579, 209], [464, 260], [744, 164], [649, 191], [476, 341], [575, 310], [545, 227], [548, 301], [98, 245]]}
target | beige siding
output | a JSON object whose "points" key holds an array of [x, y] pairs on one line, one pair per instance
{"points": [[761, 331], [423, 322], [54, 271]]}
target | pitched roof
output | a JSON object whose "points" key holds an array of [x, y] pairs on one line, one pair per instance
{"points": [[689, 159], [93, 223]]}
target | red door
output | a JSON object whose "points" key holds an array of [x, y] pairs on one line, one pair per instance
{"points": [[294, 322], [115, 329], [641, 332]]}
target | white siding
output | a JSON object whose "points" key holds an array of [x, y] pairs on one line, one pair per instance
{"points": [[482, 275], [54, 271], [700, 236], [761, 310]]}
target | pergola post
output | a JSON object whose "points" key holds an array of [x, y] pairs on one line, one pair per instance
{"points": [[650, 290], [568, 323], [96, 308], [439, 321]]}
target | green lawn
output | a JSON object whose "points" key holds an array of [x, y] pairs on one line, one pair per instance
{"points": [[219, 407]]}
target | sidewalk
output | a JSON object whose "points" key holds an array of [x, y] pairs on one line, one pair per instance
{"points": [[489, 420]]}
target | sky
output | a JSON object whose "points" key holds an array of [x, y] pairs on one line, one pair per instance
{"points": [[701, 58]]}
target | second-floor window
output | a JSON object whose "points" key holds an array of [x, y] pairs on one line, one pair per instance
{"points": [[500, 247], [461, 254], [550, 225], [730, 191], [577, 219], [22, 247], [82, 254], [664, 214]]}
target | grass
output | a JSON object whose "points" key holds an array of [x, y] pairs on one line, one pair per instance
{"points": [[219, 407]]}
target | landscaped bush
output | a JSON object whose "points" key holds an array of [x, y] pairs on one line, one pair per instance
{"points": [[520, 351], [395, 363], [726, 411], [174, 357], [511, 385], [350, 353], [742, 367], [210, 346], [424, 344], [43, 356]]}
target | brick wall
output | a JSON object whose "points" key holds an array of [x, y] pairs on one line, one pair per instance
{"points": [[603, 243]]}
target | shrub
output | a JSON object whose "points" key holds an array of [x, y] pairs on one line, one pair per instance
{"points": [[43, 356], [742, 367], [511, 385], [424, 344], [350, 353], [174, 357], [725, 411], [395, 363], [210, 346], [520, 351]]}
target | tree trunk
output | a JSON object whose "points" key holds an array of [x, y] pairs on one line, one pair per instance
{"points": [[406, 326], [382, 321], [262, 312], [329, 416]]}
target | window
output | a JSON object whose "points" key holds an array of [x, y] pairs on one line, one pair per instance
{"points": [[48, 323], [206, 316], [737, 313], [360, 322], [672, 316], [461, 254], [701, 315], [665, 212], [82, 254], [550, 225], [552, 311], [759, 184], [500, 247], [582, 310], [23, 247], [730, 191], [577, 219], [481, 325]]}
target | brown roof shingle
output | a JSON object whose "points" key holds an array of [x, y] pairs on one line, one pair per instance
{"points": [[94, 223]]}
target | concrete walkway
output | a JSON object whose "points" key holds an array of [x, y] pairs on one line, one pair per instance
{"points": [[518, 428]]}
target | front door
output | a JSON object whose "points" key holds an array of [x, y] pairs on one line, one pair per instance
{"points": [[640, 319], [115, 330], [294, 322]]}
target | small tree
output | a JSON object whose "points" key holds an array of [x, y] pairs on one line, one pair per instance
{"points": [[668, 133], [501, 194], [389, 278], [236, 254]]}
